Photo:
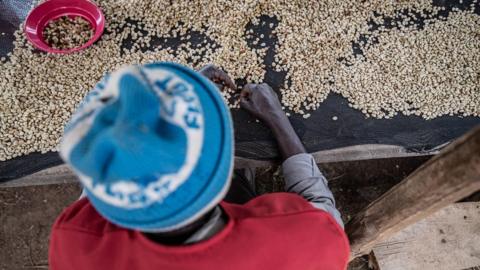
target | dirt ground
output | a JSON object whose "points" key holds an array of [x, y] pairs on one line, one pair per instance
{"points": [[27, 213]]}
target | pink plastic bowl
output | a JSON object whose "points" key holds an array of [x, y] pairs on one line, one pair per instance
{"points": [[50, 10]]}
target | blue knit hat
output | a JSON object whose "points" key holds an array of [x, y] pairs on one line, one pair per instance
{"points": [[152, 146]]}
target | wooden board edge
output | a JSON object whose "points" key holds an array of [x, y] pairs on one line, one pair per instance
{"points": [[349, 153], [62, 174]]}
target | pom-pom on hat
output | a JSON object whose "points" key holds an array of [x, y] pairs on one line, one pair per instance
{"points": [[152, 146]]}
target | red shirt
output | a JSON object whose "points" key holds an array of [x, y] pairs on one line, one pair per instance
{"points": [[274, 231]]}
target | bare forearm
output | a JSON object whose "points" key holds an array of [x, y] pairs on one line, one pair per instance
{"points": [[262, 102], [288, 141]]}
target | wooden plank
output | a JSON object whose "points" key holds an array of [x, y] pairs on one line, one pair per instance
{"points": [[369, 151], [446, 240], [30, 171], [349, 153], [61, 174], [446, 178]]}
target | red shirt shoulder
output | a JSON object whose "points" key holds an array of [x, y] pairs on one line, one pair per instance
{"points": [[271, 204], [82, 216]]}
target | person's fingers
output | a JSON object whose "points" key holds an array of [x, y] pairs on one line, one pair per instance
{"points": [[267, 90], [218, 76], [246, 91], [245, 104], [207, 68], [264, 87], [256, 91], [223, 77], [249, 87], [244, 94]]}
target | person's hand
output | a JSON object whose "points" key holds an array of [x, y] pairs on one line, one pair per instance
{"points": [[262, 102], [217, 76]]}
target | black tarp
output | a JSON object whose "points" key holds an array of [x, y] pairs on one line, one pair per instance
{"points": [[253, 140]]}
